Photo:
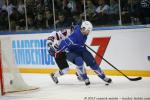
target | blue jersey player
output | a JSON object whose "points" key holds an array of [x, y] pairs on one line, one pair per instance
{"points": [[77, 53], [61, 60]]}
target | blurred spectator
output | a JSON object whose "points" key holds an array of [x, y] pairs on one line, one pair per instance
{"points": [[21, 11], [135, 12], [4, 6], [21, 7], [102, 8], [90, 8], [113, 12], [68, 12], [58, 5], [3, 20], [49, 18], [31, 7], [131, 12], [70, 4], [40, 21], [76, 18], [48, 3], [10, 7], [30, 21], [69, 7], [15, 20], [95, 2], [145, 11], [62, 21], [114, 7], [39, 7], [101, 13], [80, 6], [1, 3]]}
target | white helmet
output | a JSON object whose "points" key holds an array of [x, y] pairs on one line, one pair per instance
{"points": [[87, 25]]}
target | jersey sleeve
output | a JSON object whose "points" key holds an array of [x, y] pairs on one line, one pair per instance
{"points": [[70, 42], [50, 39], [67, 42], [64, 44]]}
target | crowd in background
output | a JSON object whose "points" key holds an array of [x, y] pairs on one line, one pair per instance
{"points": [[39, 14]]}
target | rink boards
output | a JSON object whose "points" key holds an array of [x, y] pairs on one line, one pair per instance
{"points": [[127, 49]]}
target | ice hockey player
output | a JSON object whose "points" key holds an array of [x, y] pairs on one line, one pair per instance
{"points": [[78, 53], [53, 41]]}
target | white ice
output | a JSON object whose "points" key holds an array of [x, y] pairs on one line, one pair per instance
{"points": [[69, 88]]}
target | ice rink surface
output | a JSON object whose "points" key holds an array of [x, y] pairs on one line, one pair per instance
{"points": [[69, 88]]}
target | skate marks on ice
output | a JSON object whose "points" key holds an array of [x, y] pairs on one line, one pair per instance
{"points": [[69, 87]]}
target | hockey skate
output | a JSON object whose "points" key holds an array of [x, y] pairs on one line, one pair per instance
{"points": [[55, 79], [108, 80], [87, 82], [79, 78]]}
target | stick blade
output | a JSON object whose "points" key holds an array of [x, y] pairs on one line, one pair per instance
{"points": [[135, 79]]}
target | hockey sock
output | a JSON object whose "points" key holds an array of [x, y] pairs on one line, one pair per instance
{"points": [[81, 72], [98, 71], [80, 68], [61, 72]]}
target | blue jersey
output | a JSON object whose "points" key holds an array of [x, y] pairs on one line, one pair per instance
{"points": [[75, 42]]}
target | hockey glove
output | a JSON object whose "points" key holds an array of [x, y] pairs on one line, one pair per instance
{"points": [[54, 53]]}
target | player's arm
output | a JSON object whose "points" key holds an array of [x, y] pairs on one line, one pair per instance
{"points": [[64, 44], [50, 39], [69, 41], [52, 47]]}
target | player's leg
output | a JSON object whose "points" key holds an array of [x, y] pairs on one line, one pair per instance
{"points": [[78, 61], [62, 64], [63, 67], [90, 61]]}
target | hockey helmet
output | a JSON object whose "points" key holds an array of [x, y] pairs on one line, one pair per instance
{"points": [[87, 25]]}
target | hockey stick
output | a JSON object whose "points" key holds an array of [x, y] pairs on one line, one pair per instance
{"points": [[131, 79]]}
